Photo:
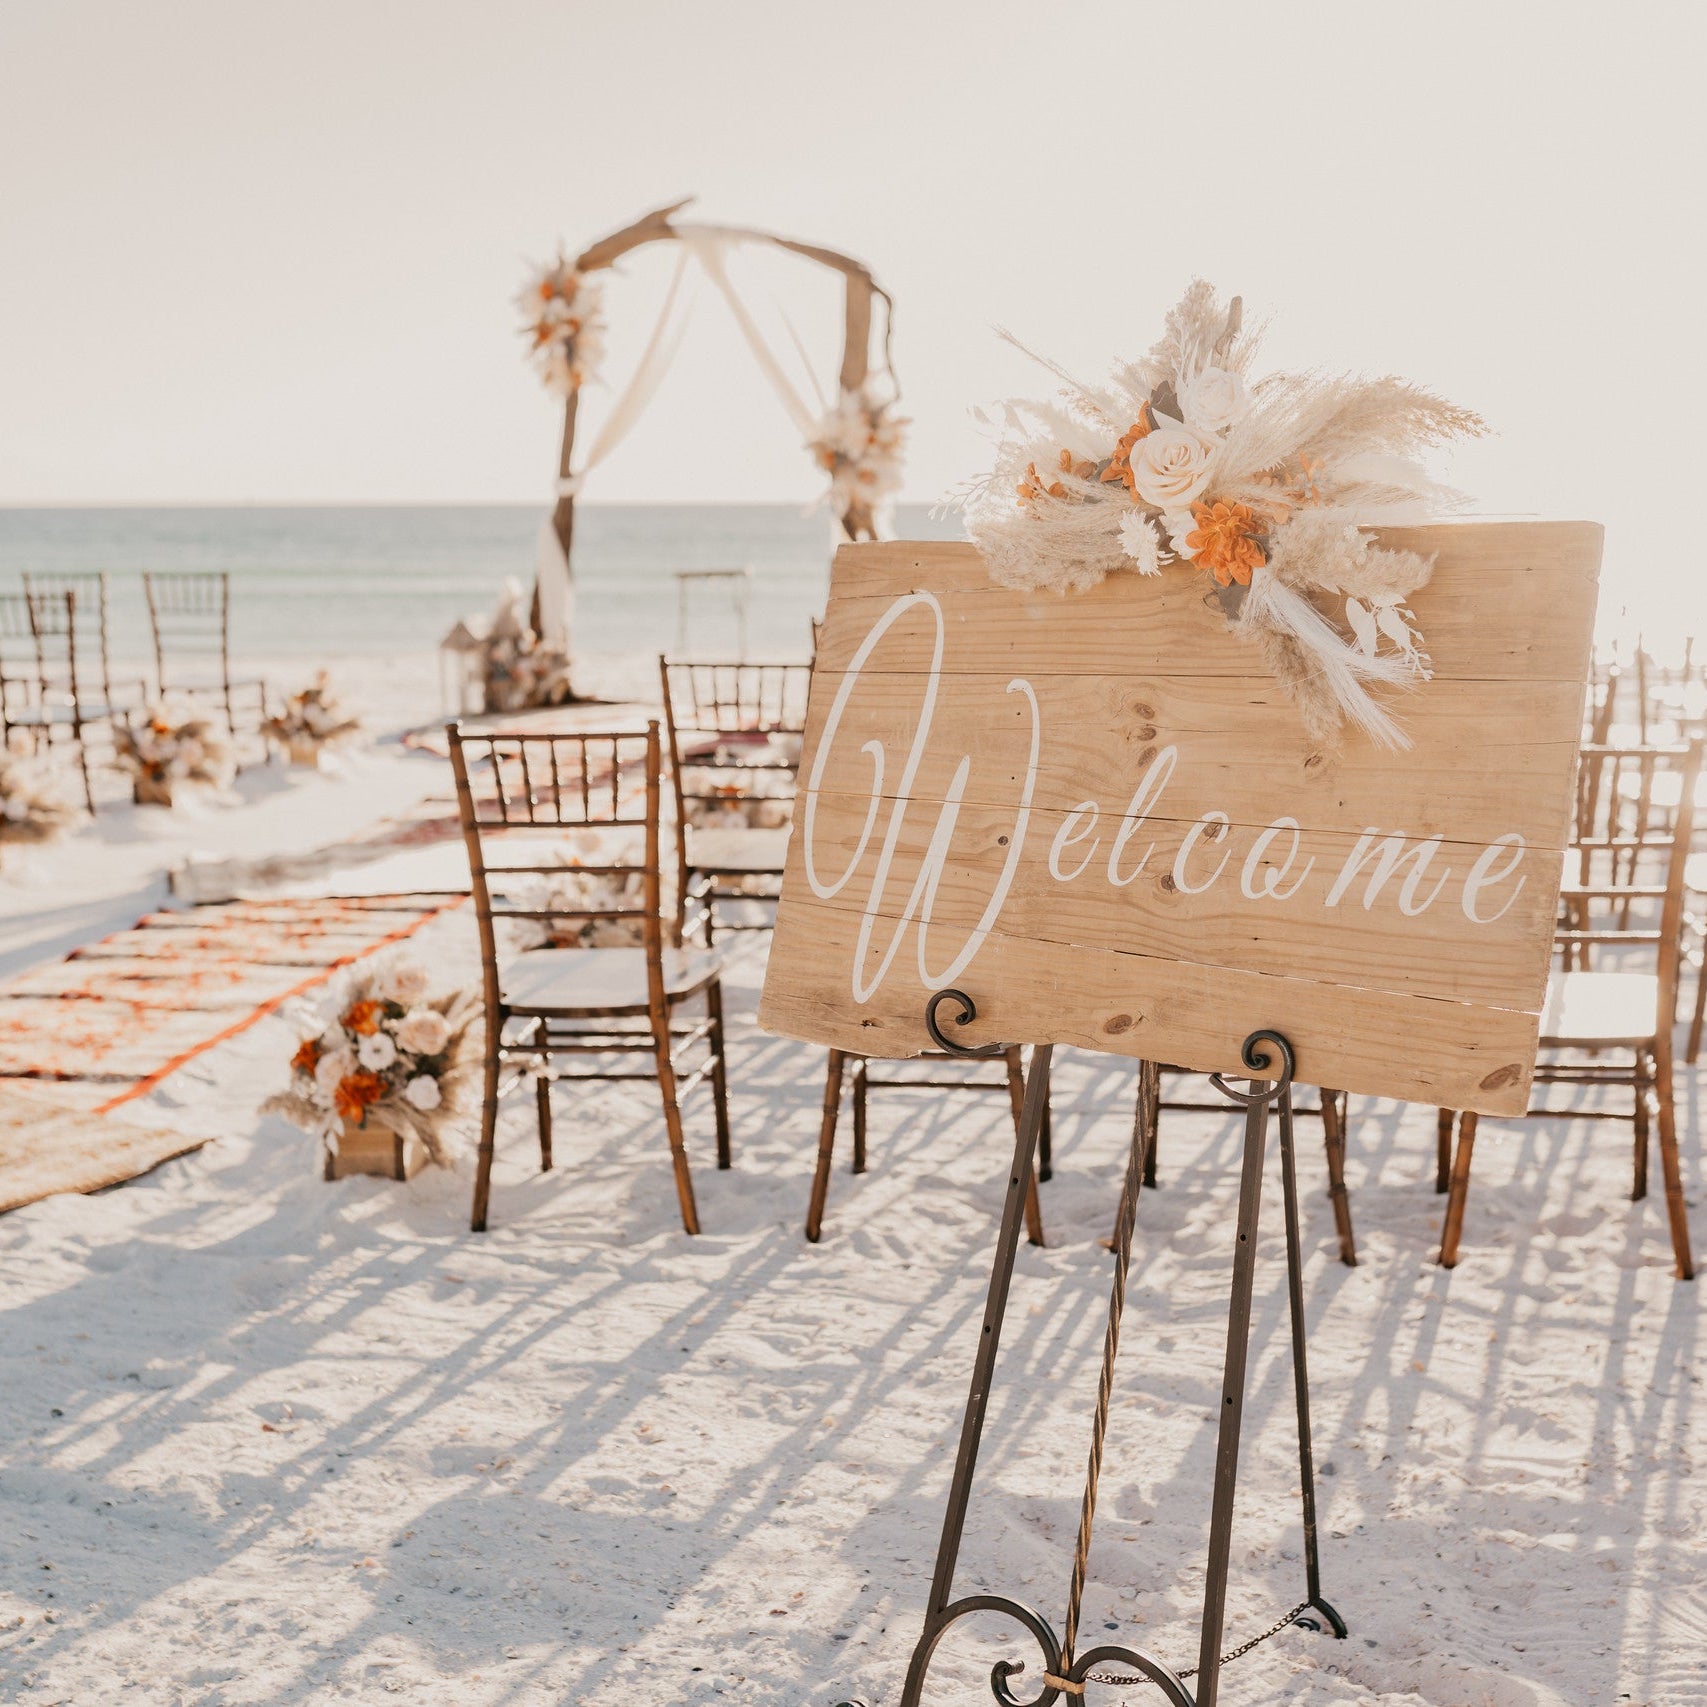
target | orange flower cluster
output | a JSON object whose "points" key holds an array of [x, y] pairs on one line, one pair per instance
{"points": [[355, 1093], [1120, 464], [1035, 484], [1225, 541], [307, 1056], [363, 1018]]}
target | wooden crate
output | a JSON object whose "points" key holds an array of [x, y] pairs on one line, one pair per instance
{"points": [[375, 1149]]}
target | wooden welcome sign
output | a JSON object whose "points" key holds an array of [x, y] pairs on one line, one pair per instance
{"points": [[1098, 815]]}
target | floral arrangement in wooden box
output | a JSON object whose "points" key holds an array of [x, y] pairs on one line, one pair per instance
{"points": [[311, 721], [172, 744], [1185, 461], [384, 1050], [36, 802]]}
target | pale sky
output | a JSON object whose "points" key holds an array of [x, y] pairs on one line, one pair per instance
{"points": [[267, 252]]}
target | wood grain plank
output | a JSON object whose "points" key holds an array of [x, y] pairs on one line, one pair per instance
{"points": [[1454, 1054]]}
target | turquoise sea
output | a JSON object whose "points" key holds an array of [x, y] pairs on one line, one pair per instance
{"points": [[376, 579]]}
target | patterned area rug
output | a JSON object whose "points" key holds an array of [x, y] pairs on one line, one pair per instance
{"points": [[48, 1144], [110, 1022]]}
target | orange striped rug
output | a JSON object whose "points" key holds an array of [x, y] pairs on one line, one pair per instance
{"points": [[110, 1022]]}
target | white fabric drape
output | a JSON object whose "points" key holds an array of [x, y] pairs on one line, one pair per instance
{"points": [[709, 244], [551, 567]]}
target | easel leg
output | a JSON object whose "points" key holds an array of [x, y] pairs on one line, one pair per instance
{"points": [[1300, 1368], [1232, 1400], [983, 1368]]}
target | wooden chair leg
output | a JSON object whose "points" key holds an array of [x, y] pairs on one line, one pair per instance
{"points": [[719, 1071], [673, 1125], [1695, 1019], [1336, 1107], [1443, 1149], [1154, 1082], [488, 1127], [542, 1094], [1046, 1145], [83, 765], [1670, 1167], [1458, 1190], [859, 1089], [1645, 1104], [1016, 1100], [826, 1146]]}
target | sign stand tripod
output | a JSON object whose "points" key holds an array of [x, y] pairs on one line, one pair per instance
{"points": [[1065, 1671]]}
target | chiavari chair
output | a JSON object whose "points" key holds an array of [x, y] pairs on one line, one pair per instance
{"points": [[1614, 1027], [189, 616], [735, 733], [520, 796]]}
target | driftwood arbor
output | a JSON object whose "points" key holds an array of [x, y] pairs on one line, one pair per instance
{"points": [[661, 226]]}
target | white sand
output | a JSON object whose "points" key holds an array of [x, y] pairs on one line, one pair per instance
{"points": [[268, 1440]]}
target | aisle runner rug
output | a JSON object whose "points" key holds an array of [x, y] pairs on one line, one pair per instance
{"points": [[107, 1024], [49, 1145]]}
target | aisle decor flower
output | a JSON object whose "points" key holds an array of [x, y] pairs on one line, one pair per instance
{"points": [[312, 720], [519, 670], [861, 444], [36, 800], [384, 1051], [1185, 463], [173, 744], [563, 322]]}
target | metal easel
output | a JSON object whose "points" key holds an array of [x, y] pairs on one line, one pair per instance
{"points": [[1067, 1672]]}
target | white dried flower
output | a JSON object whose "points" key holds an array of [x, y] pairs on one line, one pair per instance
{"points": [[423, 1092], [1171, 466], [423, 1031], [1140, 541], [1215, 400], [376, 1052], [1180, 525]]}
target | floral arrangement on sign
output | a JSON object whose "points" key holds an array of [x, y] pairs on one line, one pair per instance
{"points": [[564, 325], [36, 804], [519, 670], [384, 1050], [861, 444], [173, 744], [312, 719], [1261, 486]]}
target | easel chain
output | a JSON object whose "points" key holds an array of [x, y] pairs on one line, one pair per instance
{"points": [[1068, 1687]]}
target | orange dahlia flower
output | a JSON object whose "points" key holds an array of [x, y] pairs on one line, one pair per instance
{"points": [[1224, 542], [1120, 464], [355, 1093], [363, 1018], [307, 1056]]}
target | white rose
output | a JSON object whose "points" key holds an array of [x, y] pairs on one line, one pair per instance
{"points": [[376, 1052], [403, 982], [1215, 400], [1180, 524], [423, 1092], [332, 1068], [1171, 466], [421, 1031]]}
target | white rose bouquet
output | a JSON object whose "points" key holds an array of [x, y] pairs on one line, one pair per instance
{"points": [[384, 1048], [861, 444], [313, 719], [1262, 487], [563, 322], [173, 743]]}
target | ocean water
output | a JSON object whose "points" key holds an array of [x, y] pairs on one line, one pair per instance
{"points": [[370, 580]]}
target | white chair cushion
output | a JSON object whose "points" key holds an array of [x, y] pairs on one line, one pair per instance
{"points": [[1600, 1007], [562, 979], [752, 851]]}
